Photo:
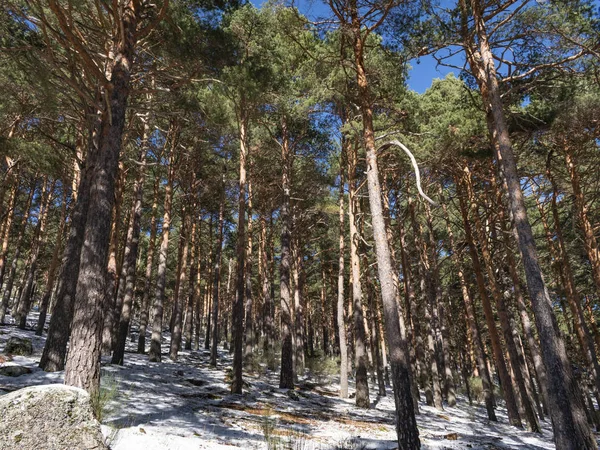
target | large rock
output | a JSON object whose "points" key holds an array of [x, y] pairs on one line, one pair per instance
{"points": [[50, 417], [18, 346]]}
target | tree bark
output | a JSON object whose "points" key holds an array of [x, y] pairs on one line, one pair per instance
{"points": [[180, 295], [54, 265], [145, 303], [83, 362], [341, 321], [571, 430], [286, 379], [130, 258], [39, 241], [406, 425], [360, 354], [216, 282], [486, 382], [155, 353], [238, 306]]}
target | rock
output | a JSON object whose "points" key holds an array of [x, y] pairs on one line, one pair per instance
{"points": [[14, 371], [18, 346], [50, 417]]}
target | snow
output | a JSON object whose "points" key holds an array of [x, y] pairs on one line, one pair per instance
{"points": [[187, 405]]}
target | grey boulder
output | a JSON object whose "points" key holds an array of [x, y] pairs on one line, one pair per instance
{"points": [[50, 417]]}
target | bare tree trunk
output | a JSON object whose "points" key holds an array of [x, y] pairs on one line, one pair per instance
{"points": [[39, 241], [406, 425], [54, 263], [299, 338], [155, 353], [375, 334], [249, 300], [268, 322], [341, 321], [471, 320], [216, 282], [571, 430], [83, 362], [10, 215], [286, 379], [19, 242], [238, 306], [360, 355], [180, 295], [145, 304], [59, 330], [130, 258], [188, 328], [511, 404], [112, 311]]}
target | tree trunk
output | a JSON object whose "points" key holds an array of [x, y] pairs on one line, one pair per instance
{"points": [[486, 382], [83, 362], [10, 215], [360, 354], [145, 304], [249, 262], [155, 353], [299, 337], [571, 430], [406, 425], [216, 283], [112, 310], [503, 374], [238, 306], [59, 330], [19, 242], [341, 321], [130, 258], [39, 241], [54, 264], [286, 380], [180, 295], [188, 328]]}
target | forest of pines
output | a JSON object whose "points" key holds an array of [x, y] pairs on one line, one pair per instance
{"points": [[229, 224]]}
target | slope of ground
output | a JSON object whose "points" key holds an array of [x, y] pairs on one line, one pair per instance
{"points": [[187, 405]]}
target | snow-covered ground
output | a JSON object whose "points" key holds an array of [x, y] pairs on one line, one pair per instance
{"points": [[187, 405]]}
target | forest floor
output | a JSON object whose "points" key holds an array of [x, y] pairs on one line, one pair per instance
{"points": [[187, 405]]}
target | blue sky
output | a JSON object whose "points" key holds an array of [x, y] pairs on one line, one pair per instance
{"points": [[423, 71]]}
